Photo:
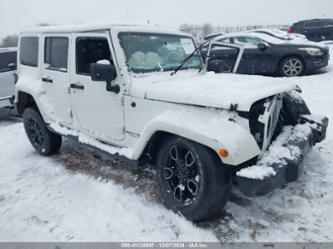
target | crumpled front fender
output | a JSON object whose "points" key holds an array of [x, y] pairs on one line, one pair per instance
{"points": [[210, 128]]}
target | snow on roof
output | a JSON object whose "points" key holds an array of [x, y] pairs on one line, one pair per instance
{"points": [[130, 27], [271, 39], [262, 36]]}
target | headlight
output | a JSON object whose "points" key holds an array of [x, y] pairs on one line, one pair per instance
{"points": [[313, 51]]}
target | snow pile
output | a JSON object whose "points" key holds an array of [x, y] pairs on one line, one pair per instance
{"points": [[42, 201]]}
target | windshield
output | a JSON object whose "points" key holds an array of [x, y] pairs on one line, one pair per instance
{"points": [[158, 52]]}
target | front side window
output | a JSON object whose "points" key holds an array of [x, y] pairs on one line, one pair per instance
{"points": [[147, 52], [247, 41], [56, 53], [7, 61], [90, 50], [29, 51]]}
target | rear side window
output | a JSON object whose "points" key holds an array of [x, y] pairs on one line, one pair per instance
{"points": [[56, 53], [7, 61], [29, 51], [328, 23]]}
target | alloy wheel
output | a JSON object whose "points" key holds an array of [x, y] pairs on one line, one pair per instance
{"points": [[182, 174], [35, 133], [292, 67]]}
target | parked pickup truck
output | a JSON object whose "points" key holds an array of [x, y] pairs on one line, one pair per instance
{"points": [[143, 94], [8, 76]]}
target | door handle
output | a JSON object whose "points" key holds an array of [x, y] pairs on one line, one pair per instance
{"points": [[48, 80], [76, 86]]}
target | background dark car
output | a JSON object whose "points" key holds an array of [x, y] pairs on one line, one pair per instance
{"points": [[315, 29], [267, 55]]}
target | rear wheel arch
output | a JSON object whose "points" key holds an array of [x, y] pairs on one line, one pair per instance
{"points": [[24, 101]]}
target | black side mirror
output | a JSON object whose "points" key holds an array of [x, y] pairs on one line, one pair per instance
{"points": [[262, 47], [104, 72]]}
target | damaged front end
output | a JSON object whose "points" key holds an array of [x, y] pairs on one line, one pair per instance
{"points": [[285, 131]]}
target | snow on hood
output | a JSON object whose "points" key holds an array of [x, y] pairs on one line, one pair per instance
{"points": [[209, 89]]}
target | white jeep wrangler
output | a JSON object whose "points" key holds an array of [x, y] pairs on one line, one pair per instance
{"points": [[142, 93]]}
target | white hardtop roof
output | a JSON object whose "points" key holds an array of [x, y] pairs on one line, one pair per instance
{"points": [[77, 28], [9, 49]]}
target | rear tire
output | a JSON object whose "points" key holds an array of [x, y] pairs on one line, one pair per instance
{"points": [[192, 179], [291, 67], [42, 139]]}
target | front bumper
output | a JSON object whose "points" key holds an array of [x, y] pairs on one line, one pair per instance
{"points": [[314, 62], [282, 163]]}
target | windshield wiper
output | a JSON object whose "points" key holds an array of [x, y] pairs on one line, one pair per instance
{"points": [[182, 63]]}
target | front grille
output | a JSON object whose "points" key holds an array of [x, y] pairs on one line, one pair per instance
{"points": [[270, 120], [264, 117]]}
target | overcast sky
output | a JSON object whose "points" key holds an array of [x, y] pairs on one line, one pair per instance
{"points": [[15, 15]]}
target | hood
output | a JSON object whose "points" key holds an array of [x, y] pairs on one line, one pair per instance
{"points": [[306, 43], [209, 89]]}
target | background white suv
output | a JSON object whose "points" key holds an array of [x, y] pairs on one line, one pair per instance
{"points": [[8, 76]]}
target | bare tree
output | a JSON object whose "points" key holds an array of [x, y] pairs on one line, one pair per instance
{"points": [[186, 28], [9, 41], [207, 28]]}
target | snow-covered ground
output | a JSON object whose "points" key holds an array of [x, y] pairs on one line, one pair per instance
{"points": [[83, 195]]}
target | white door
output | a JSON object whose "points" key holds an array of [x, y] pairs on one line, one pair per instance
{"points": [[98, 111], [56, 76], [7, 74]]}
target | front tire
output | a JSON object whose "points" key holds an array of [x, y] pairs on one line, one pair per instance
{"points": [[192, 179], [291, 67], [42, 139]]}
